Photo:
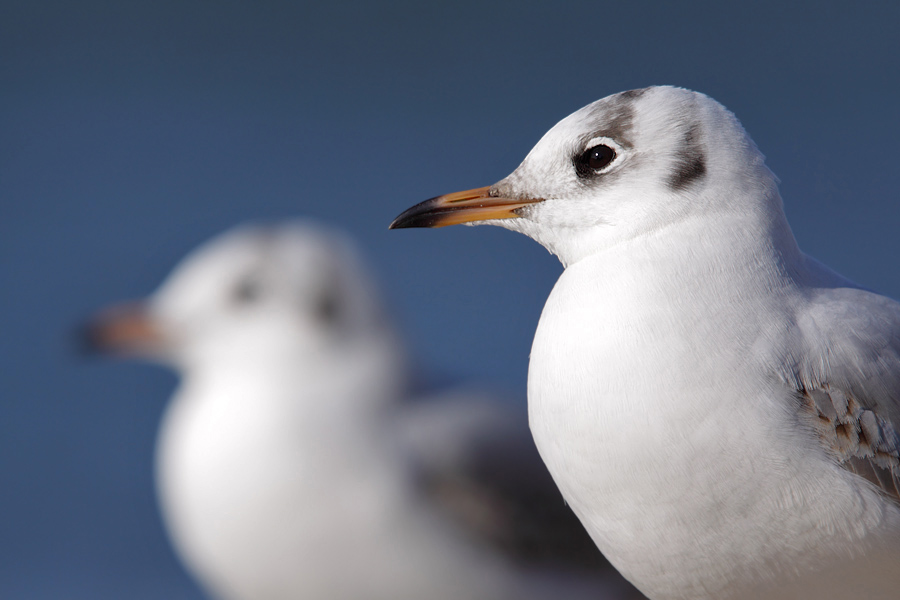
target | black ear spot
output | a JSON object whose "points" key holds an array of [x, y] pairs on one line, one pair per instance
{"points": [[690, 165], [593, 160]]}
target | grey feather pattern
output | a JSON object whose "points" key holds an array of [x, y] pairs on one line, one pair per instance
{"points": [[478, 464], [857, 437], [849, 381]]}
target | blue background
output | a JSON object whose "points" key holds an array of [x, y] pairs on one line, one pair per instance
{"points": [[131, 132]]}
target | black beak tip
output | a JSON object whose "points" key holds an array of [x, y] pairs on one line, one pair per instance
{"points": [[430, 213], [397, 224], [87, 339], [420, 215], [409, 221]]}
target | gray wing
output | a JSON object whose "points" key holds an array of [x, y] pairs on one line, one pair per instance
{"points": [[476, 462], [848, 379]]}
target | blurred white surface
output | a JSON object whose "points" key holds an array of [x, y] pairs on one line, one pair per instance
{"points": [[291, 462]]}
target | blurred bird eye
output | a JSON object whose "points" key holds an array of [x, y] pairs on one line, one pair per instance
{"points": [[247, 291], [593, 159], [328, 307]]}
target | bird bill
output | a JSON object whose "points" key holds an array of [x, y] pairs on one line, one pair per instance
{"points": [[461, 207]]}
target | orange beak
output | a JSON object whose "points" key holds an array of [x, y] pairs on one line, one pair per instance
{"points": [[124, 329], [461, 207]]}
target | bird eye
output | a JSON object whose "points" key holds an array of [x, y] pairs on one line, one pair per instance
{"points": [[247, 290], [593, 159], [328, 307]]}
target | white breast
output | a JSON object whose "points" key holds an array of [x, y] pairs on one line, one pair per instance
{"points": [[264, 502], [248, 492], [679, 454]]}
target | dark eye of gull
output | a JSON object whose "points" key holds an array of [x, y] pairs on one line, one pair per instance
{"points": [[329, 307], [593, 159], [247, 291]]}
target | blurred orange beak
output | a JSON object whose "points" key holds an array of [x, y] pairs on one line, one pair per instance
{"points": [[123, 329], [461, 207]]}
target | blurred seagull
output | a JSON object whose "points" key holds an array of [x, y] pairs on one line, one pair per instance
{"points": [[289, 464], [719, 409]]}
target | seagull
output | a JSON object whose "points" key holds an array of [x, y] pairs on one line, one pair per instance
{"points": [[293, 461], [719, 409]]}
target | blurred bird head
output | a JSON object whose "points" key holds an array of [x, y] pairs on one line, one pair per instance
{"points": [[295, 291]]}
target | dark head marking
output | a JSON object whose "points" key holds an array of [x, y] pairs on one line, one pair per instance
{"points": [[619, 119], [616, 114], [690, 163], [633, 94]]}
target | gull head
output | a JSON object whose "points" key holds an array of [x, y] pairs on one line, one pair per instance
{"points": [[622, 167], [255, 294]]}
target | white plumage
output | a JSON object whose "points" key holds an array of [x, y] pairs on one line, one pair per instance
{"points": [[718, 408]]}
